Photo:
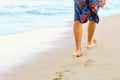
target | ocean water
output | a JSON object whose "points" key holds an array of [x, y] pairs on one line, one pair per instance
{"points": [[51, 16], [19, 16]]}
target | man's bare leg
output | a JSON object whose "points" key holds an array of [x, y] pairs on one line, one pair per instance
{"points": [[77, 28], [91, 29]]}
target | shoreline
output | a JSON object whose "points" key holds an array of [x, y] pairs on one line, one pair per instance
{"points": [[17, 49], [59, 63], [37, 29]]}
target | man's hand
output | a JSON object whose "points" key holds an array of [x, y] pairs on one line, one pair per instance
{"points": [[102, 3]]}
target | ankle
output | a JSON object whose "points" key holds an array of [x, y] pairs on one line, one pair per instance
{"points": [[89, 43], [78, 50]]}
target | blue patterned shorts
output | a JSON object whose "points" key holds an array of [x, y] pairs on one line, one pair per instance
{"points": [[86, 10]]}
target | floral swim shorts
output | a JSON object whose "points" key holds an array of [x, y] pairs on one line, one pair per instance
{"points": [[86, 10]]}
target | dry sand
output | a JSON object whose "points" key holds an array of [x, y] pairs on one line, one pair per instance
{"points": [[99, 63]]}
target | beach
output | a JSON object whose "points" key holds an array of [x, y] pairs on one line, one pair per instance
{"points": [[59, 63]]}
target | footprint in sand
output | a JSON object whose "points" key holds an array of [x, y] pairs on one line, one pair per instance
{"points": [[59, 75], [56, 79], [89, 62]]}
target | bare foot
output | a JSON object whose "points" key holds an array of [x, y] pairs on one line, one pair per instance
{"points": [[77, 54], [92, 44]]}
